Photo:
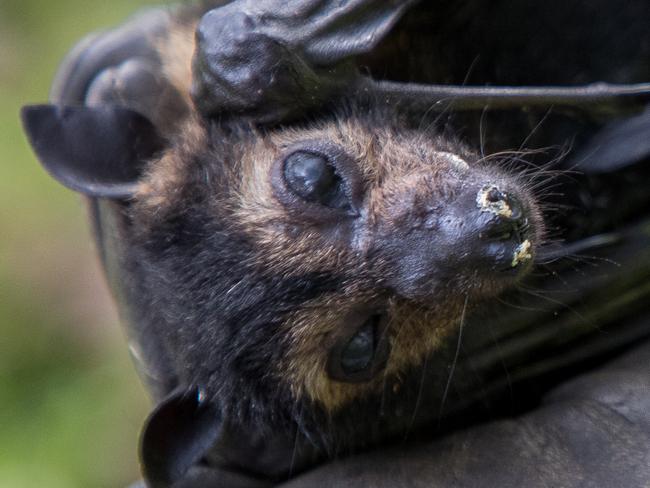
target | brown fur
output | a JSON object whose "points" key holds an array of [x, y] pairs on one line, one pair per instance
{"points": [[414, 331], [176, 51], [401, 170], [160, 189]]}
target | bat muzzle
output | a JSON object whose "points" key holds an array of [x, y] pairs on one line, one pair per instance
{"points": [[479, 241]]}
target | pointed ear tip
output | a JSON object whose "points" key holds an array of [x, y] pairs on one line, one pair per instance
{"points": [[26, 114], [31, 114], [32, 108]]}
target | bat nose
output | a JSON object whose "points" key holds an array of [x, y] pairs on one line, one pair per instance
{"points": [[486, 230], [503, 228]]}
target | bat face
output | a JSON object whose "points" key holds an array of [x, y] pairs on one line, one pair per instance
{"points": [[308, 264], [289, 274]]}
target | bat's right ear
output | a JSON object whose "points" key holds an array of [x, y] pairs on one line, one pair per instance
{"points": [[98, 151]]}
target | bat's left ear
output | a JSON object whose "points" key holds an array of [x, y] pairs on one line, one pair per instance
{"points": [[176, 436], [98, 151]]}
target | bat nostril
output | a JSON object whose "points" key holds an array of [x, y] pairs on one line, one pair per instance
{"points": [[493, 195], [505, 226], [505, 206]]}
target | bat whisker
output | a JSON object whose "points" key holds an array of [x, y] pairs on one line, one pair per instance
{"points": [[454, 362]]}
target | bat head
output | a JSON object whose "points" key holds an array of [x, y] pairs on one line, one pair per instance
{"points": [[307, 264], [298, 265], [291, 274]]}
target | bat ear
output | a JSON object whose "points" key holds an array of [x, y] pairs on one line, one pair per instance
{"points": [[176, 435], [98, 151]]}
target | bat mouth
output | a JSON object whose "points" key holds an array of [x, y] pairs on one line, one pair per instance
{"points": [[361, 354]]}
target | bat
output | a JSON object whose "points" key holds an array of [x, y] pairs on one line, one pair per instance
{"points": [[297, 254]]}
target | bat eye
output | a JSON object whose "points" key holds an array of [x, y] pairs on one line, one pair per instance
{"points": [[313, 178], [358, 357], [359, 351]]}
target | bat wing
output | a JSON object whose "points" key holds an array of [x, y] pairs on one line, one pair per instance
{"points": [[303, 50], [105, 50], [591, 431]]}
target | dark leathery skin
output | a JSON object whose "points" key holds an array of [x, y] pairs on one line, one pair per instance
{"points": [[301, 51], [593, 431], [99, 51]]}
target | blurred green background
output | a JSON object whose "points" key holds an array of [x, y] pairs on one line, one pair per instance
{"points": [[71, 406]]}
